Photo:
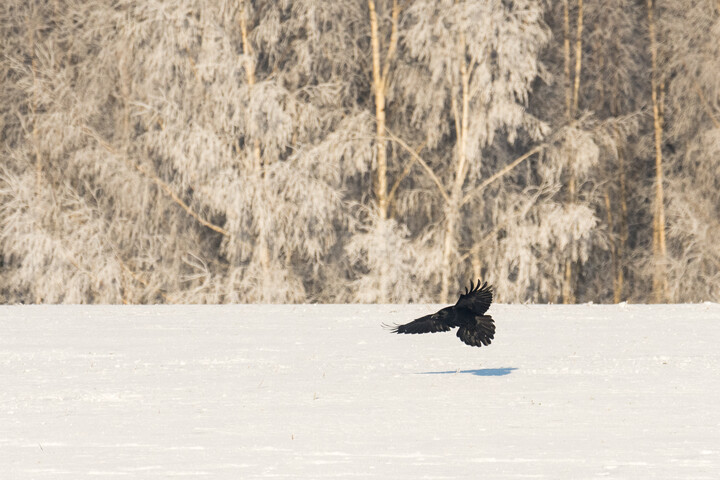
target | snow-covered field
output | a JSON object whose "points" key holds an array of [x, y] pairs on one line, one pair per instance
{"points": [[322, 391]]}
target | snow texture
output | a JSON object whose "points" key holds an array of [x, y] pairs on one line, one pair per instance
{"points": [[322, 391]]}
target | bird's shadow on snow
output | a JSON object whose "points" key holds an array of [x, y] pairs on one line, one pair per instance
{"points": [[480, 372]]}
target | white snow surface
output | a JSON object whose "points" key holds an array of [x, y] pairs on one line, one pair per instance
{"points": [[323, 391]]}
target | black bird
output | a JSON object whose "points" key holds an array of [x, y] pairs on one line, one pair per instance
{"points": [[476, 328]]}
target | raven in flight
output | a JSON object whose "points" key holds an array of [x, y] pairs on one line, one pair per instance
{"points": [[476, 328]]}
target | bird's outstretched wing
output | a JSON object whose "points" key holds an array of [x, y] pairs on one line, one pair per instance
{"points": [[479, 334], [477, 299], [436, 322]]}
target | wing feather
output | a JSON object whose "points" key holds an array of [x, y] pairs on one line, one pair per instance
{"points": [[435, 322], [477, 299]]}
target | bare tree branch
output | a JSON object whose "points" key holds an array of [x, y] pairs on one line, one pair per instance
{"points": [[469, 196], [706, 104], [405, 173], [392, 48], [418, 158], [151, 175]]}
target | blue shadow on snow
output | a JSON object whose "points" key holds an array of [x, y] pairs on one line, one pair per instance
{"points": [[480, 372]]}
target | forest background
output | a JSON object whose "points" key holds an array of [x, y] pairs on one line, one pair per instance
{"points": [[359, 151]]}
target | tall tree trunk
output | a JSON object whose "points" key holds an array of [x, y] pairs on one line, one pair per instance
{"points": [[248, 52], [380, 83], [660, 284], [462, 120], [380, 74], [32, 27], [379, 90], [613, 245], [615, 248], [623, 228], [449, 247], [566, 55], [621, 242], [567, 272], [572, 108], [578, 59], [476, 263], [262, 250]]}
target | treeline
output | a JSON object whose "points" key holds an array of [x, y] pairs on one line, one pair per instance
{"points": [[359, 151]]}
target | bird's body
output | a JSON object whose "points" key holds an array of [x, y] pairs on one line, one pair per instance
{"points": [[468, 314]]}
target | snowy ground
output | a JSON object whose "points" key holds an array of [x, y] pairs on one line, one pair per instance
{"points": [[243, 392]]}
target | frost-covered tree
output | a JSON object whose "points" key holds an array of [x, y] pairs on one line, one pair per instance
{"points": [[594, 99], [208, 175], [55, 245], [479, 59], [240, 133], [359, 150], [692, 118], [615, 74], [383, 245]]}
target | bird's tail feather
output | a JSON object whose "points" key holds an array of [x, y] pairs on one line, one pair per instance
{"points": [[482, 333]]}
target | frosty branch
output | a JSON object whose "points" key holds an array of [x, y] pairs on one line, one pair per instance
{"points": [[422, 163], [152, 176], [485, 183]]}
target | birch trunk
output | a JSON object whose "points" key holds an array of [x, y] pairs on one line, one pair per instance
{"points": [[566, 55], [262, 250], [572, 107], [660, 285], [249, 72], [578, 59], [623, 228], [456, 193], [380, 75], [613, 246], [31, 26], [379, 90]]}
